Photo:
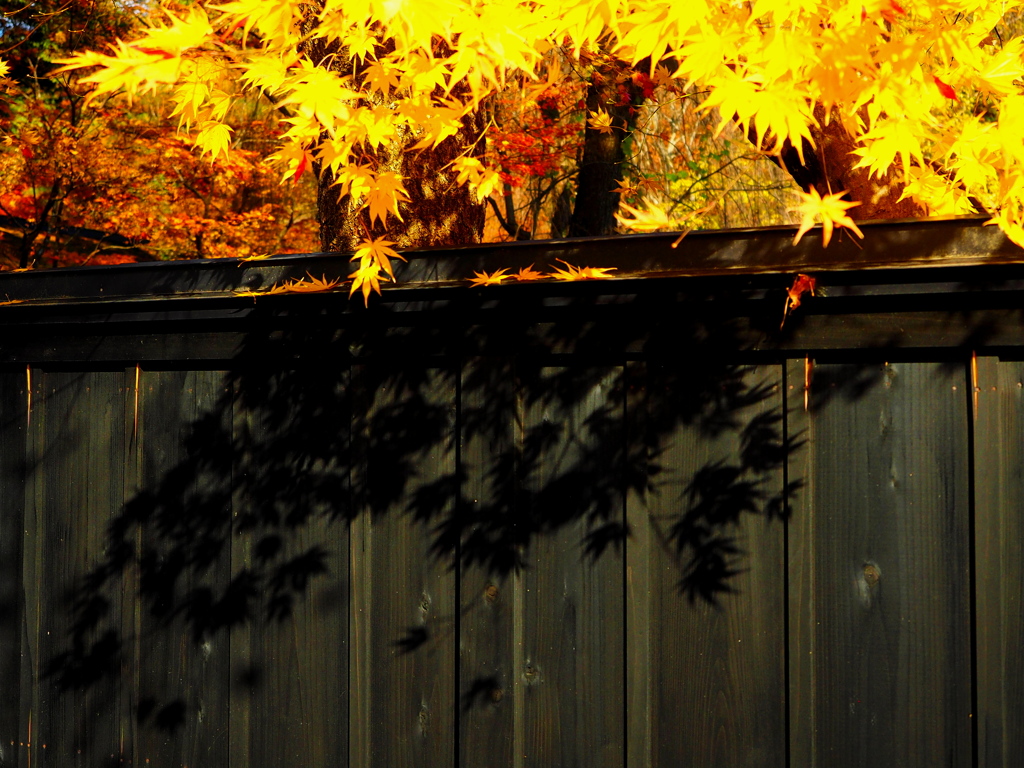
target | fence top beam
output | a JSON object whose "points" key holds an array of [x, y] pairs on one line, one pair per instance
{"points": [[906, 253]]}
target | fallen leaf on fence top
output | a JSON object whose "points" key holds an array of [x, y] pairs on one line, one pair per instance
{"points": [[494, 278]]}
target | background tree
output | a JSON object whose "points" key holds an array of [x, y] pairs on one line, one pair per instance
{"points": [[112, 181]]}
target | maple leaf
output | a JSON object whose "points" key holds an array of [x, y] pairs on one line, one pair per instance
{"points": [[595, 273], [569, 274], [600, 121], [312, 285], [378, 252], [214, 137], [801, 284], [384, 195], [831, 209], [494, 278], [945, 89], [528, 273], [653, 219], [253, 257], [367, 278]]}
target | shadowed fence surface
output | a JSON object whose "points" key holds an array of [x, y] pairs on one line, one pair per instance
{"points": [[604, 524]]}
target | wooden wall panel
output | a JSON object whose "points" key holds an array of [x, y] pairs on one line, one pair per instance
{"points": [[707, 587], [999, 558], [78, 713], [180, 524], [403, 640], [289, 661], [879, 557], [571, 601], [490, 642], [13, 403]]}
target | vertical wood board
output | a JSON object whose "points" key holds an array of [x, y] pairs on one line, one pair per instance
{"points": [[403, 622], [572, 601], [879, 579], [289, 661], [999, 559], [714, 562]]}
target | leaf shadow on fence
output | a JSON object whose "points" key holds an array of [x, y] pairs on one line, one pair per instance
{"points": [[489, 440]]}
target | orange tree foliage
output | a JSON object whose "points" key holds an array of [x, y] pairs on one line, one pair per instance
{"points": [[928, 91], [109, 181]]}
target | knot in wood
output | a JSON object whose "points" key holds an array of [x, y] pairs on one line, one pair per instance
{"points": [[871, 575]]}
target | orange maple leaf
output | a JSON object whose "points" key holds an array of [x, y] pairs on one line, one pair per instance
{"points": [[528, 273], [568, 274], [312, 285], [595, 273], [801, 285], [494, 278], [366, 277]]}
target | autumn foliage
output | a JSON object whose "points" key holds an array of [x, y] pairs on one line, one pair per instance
{"points": [[926, 97], [109, 180]]}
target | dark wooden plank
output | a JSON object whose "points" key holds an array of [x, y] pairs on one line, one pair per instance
{"points": [[880, 582], [709, 543], [79, 446], [403, 620], [179, 524], [290, 661], [573, 657], [640, 674], [999, 559], [13, 403], [491, 581]]}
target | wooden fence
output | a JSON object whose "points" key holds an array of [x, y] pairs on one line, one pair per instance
{"points": [[614, 523]]}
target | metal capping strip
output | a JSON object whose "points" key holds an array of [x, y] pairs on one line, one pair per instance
{"points": [[920, 244]]}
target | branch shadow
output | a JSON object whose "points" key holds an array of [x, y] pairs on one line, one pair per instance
{"points": [[487, 442]]}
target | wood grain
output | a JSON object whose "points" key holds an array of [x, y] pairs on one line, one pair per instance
{"points": [[999, 558], [716, 672], [74, 638], [491, 584], [289, 662], [403, 611], [879, 570], [12, 540], [181, 523], [573, 640]]}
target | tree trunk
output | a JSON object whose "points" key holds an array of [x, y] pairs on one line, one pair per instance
{"points": [[439, 212], [611, 90], [828, 167]]}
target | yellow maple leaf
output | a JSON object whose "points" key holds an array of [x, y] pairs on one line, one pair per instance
{"points": [[653, 219], [494, 278], [367, 277], [568, 274], [253, 257], [214, 137], [312, 285], [831, 209], [595, 273], [600, 121], [377, 252], [384, 195], [528, 273]]}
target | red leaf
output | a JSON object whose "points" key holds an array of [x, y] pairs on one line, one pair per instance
{"points": [[801, 285], [945, 89], [300, 169]]}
